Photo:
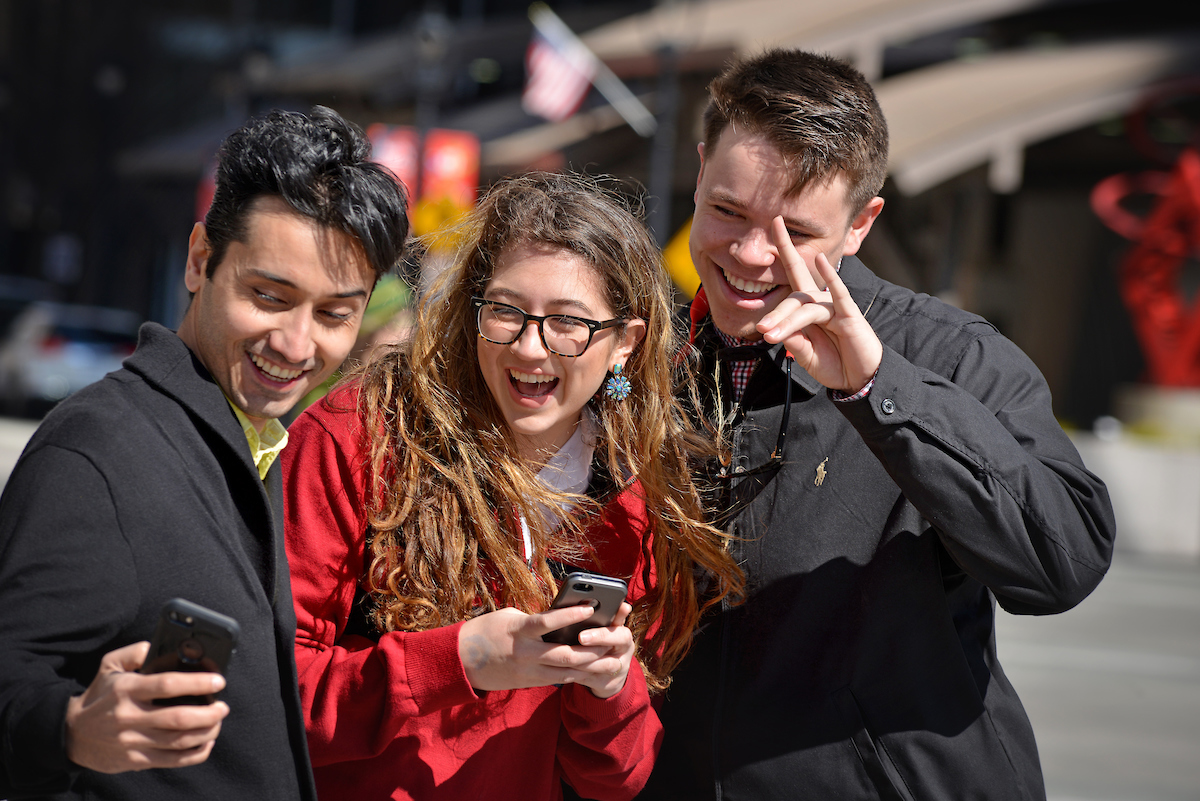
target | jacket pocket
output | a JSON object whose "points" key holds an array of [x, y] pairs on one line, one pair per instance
{"points": [[879, 769]]}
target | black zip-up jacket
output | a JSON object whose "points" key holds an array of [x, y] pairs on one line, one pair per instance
{"points": [[863, 664], [137, 489]]}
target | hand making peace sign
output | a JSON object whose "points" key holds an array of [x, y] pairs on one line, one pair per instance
{"points": [[824, 331]]}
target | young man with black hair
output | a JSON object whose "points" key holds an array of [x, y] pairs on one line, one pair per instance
{"points": [[160, 481]]}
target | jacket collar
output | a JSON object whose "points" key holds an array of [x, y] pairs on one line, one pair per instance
{"points": [[863, 284], [705, 337], [167, 364]]}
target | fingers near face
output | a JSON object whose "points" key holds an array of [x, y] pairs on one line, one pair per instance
{"points": [[798, 273], [837, 290]]}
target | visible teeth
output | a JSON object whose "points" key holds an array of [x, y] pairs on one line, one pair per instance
{"points": [[274, 370], [750, 287], [530, 378]]}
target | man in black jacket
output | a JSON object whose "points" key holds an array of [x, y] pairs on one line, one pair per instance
{"points": [[159, 481], [890, 484]]}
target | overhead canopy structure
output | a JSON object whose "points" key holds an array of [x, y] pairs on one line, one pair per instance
{"points": [[387, 66], [944, 119], [705, 33], [952, 117], [709, 31], [528, 145]]}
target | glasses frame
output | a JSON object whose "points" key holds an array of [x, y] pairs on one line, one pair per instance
{"points": [[477, 303]]}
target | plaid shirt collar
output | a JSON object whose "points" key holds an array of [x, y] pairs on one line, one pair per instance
{"points": [[739, 369]]}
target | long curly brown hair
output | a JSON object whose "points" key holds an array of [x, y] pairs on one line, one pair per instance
{"points": [[447, 482]]}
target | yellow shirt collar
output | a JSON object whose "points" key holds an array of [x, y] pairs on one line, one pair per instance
{"points": [[264, 446]]}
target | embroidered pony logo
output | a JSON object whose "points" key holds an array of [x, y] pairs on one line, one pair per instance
{"points": [[821, 472]]}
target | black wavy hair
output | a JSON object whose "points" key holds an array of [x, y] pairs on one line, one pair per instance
{"points": [[318, 164]]}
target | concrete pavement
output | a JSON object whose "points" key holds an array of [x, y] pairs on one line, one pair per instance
{"points": [[1113, 686]]}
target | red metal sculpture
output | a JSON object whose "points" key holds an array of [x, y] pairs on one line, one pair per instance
{"points": [[1167, 323]]}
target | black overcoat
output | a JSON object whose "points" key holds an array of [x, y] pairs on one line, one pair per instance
{"points": [[137, 489]]}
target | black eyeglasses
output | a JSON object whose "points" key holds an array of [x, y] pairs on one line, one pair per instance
{"points": [[752, 481], [563, 334]]}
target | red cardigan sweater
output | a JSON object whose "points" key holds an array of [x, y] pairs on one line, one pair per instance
{"points": [[397, 718]]}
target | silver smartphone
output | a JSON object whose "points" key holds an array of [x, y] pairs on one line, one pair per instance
{"points": [[602, 593]]}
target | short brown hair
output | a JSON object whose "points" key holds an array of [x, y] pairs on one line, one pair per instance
{"points": [[819, 112]]}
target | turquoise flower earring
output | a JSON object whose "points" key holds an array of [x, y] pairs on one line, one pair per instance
{"points": [[617, 386]]}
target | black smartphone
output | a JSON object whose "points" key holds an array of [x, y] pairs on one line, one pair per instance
{"points": [[602, 593], [190, 638]]}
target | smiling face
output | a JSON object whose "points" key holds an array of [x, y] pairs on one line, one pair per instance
{"points": [[741, 188], [542, 394], [281, 311]]}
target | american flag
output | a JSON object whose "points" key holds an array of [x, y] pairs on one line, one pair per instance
{"points": [[557, 79]]}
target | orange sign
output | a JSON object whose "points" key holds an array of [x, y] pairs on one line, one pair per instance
{"points": [[449, 174]]}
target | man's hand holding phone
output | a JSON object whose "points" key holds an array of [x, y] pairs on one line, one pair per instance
{"points": [[152, 704], [116, 725]]}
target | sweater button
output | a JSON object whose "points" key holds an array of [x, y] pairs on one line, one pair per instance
{"points": [[888, 406]]}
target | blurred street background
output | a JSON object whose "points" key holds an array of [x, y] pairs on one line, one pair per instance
{"points": [[1044, 173], [1113, 686]]}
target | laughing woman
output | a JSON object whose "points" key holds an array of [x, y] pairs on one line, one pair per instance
{"points": [[437, 497]]}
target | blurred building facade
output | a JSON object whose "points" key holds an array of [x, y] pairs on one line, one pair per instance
{"points": [[1004, 113]]}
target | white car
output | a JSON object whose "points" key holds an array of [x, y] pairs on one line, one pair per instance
{"points": [[54, 349]]}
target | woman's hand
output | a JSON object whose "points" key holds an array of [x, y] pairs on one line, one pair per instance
{"points": [[606, 676], [503, 650]]}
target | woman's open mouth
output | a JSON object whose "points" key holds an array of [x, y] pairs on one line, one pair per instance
{"points": [[531, 385]]}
